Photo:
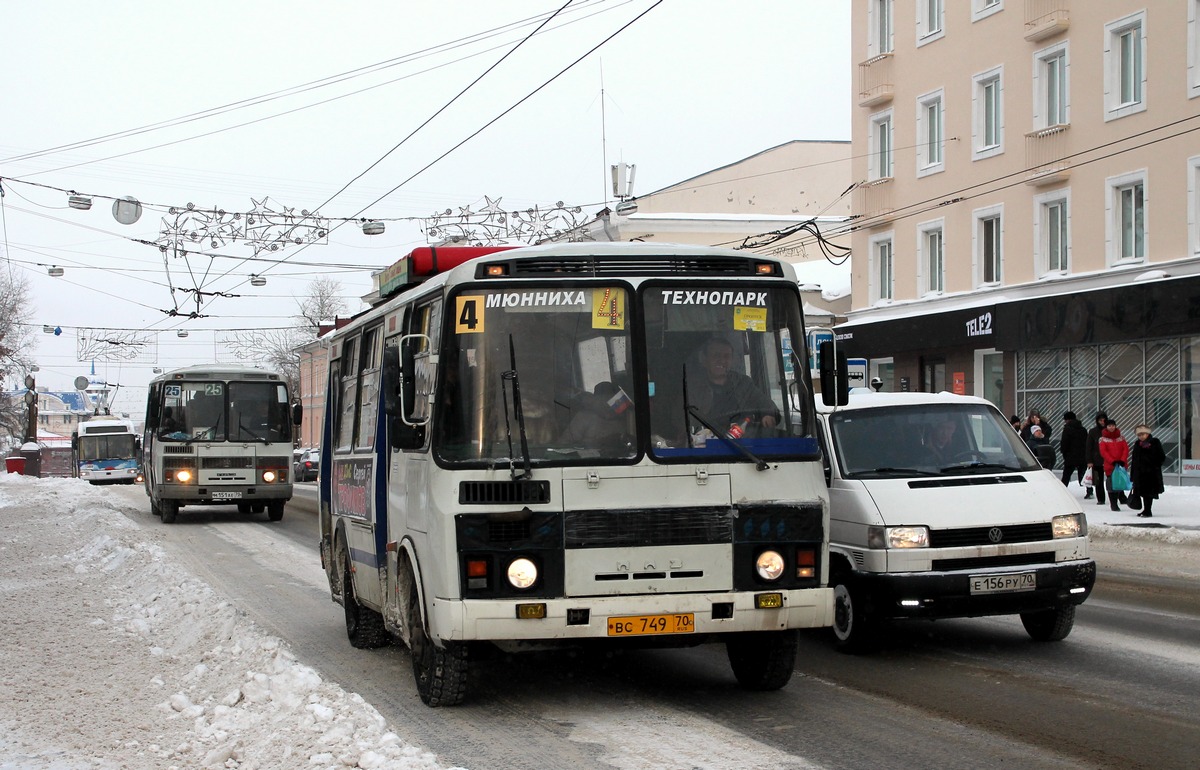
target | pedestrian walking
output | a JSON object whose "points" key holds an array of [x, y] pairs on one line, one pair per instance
{"points": [[1115, 451], [1094, 461], [1073, 446], [1146, 458]]}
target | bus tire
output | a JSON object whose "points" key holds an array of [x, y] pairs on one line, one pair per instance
{"points": [[1049, 625], [170, 511], [440, 672], [762, 660], [275, 510], [155, 507], [243, 507], [364, 626]]}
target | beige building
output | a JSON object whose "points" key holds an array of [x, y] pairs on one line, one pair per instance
{"points": [[1028, 218]]}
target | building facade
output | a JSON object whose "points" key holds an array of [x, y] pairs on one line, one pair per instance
{"points": [[1027, 223]]}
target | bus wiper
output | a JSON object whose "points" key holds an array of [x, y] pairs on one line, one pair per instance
{"points": [[518, 412], [214, 430], [688, 409]]}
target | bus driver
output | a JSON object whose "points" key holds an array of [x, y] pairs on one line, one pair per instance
{"points": [[724, 395]]}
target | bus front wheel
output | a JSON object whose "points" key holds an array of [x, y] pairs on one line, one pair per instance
{"points": [[275, 510], [762, 660], [170, 511], [440, 672]]}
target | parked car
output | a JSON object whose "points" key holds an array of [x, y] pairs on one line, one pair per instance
{"points": [[308, 465]]}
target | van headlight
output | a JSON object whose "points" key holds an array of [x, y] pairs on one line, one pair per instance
{"points": [[898, 537], [1070, 525]]}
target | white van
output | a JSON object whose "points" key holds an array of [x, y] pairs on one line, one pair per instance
{"points": [[939, 510]]}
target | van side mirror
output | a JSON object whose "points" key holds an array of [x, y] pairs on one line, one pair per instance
{"points": [[835, 375]]}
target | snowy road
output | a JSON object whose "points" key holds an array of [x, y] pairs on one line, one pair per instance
{"points": [[1119, 691], [131, 644]]}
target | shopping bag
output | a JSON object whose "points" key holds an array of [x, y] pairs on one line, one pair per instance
{"points": [[1087, 478], [1120, 479], [1135, 501]]}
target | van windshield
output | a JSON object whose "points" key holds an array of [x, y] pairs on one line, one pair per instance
{"points": [[927, 440]]}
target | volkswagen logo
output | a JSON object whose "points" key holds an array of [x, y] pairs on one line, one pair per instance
{"points": [[995, 534]]}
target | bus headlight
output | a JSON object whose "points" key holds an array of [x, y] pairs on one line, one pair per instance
{"points": [[1071, 525], [898, 537], [769, 565], [522, 573], [183, 476], [268, 476]]}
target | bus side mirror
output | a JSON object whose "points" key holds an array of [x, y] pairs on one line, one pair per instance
{"points": [[396, 376], [835, 376], [391, 381], [297, 413]]}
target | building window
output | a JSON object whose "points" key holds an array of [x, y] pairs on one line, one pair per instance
{"points": [[988, 246], [981, 9], [883, 269], [880, 145], [930, 133], [879, 26], [1126, 217], [930, 21], [931, 270], [989, 114], [1051, 225], [1051, 99], [1124, 66]]}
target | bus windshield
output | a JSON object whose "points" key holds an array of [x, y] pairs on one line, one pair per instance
{"points": [[568, 354], [721, 369], [219, 411], [121, 446]]}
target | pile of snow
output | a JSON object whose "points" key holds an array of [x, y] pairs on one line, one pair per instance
{"points": [[114, 657]]}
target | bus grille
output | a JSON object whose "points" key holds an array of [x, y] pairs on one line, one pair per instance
{"points": [[681, 526], [178, 449], [592, 265], [969, 536], [219, 463], [523, 492]]}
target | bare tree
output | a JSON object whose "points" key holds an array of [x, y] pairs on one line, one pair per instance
{"points": [[323, 304], [17, 341], [277, 348]]}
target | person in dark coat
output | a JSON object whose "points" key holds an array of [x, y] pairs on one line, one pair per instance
{"points": [[1094, 460], [1073, 446], [1035, 419], [1146, 458]]}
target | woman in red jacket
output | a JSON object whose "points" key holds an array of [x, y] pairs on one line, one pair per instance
{"points": [[1115, 451]]}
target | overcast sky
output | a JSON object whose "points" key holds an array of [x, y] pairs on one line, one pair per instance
{"points": [[175, 92]]}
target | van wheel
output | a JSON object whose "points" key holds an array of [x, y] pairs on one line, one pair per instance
{"points": [[1049, 625], [170, 511], [440, 672], [275, 510], [853, 629], [364, 626], [762, 660]]}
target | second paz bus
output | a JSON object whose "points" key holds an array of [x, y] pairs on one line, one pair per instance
{"points": [[561, 445]]}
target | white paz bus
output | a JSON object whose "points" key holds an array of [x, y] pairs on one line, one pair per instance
{"points": [[219, 435], [580, 443]]}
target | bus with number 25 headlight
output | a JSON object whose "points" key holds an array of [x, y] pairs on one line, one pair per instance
{"points": [[571, 445]]}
